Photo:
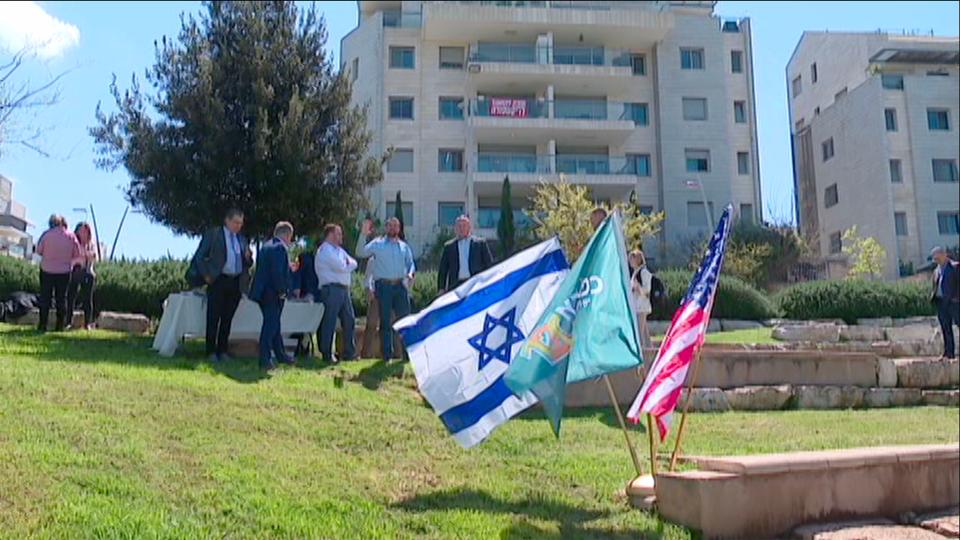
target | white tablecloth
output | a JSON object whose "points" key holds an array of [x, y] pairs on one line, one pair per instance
{"points": [[185, 314]]}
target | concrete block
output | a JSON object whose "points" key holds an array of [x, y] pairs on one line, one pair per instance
{"points": [[817, 333], [707, 400], [943, 523], [729, 325], [886, 373], [32, 318], [758, 398], [131, 323], [901, 349], [658, 328], [714, 326], [734, 368], [862, 333], [880, 321], [916, 321], [927, 373], [892, 397], [828, 397], [942, 398], [913, 332]]}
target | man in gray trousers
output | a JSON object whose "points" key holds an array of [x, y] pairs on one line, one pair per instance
{"points": [[334, 267]]}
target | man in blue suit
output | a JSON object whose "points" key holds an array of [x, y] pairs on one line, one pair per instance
{"points": [[946, 295], [271, 286]]}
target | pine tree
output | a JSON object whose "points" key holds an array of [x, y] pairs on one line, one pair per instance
{"points": [[398, 213], [506, 232], [245, 110]]}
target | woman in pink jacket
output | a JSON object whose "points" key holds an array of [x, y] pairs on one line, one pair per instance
{"points": [[57, 248]]}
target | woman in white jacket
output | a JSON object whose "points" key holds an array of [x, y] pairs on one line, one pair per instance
{"points": [[640, 280]]}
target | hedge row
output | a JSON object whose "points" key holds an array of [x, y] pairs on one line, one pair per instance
{"points": [[736, 299], [855, 299], [141, 287]]}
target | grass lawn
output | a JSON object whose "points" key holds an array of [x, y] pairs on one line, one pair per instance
{"points": [[100, 438], [750, 335]]}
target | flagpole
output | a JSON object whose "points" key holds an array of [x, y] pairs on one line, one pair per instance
{"points": [[623, 425], [683, 417], [653, 450]]}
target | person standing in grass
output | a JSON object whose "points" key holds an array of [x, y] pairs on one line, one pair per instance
{"points": [[272, 284], [83, 279], [946, 296], [335, 267], [58, 248], [640, 281]]}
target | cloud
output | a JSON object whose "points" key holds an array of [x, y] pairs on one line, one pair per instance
{"points": [[26, 24]]}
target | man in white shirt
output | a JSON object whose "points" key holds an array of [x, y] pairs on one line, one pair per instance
{"points": [[334, 267]]}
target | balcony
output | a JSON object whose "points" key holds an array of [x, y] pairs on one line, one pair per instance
{"points": [[583, 69], [620, 25], [610, 174], [573, 121], [399, 19]]}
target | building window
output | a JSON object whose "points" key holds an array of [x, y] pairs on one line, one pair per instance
{"points": [[694, 108], [900, 223], [836, 243], [637, 112], [797, 86], [798, 125], [949, 223], [451, 108], [449, 160], [840, 94], [401, 161], [638, 64], [890, 118], [813, 73], [896, 171], [407, 212], [827, 148], [447, 213], [743, 163], [451, 57], [736, 61], [691, 58], [697, 160], [938, 119], [740, 112], [355, 69], [891, 82], [402, 57], [638, 164], [944, 170], [746, 213], [938, 73], [697, 215], [831, 196], [401, 108], [645, 209]]}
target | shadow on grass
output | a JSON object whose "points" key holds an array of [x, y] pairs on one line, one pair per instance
{"points": [[570, 519], [374, 376], [115, 348], [604, 415]]}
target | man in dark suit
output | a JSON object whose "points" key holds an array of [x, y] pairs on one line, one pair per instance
{"points": [[222, 263], [271, 286], [946, 295], [463, 257]]}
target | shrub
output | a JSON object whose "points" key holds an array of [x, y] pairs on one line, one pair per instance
{"points": [[736, 299], [18, 275], [852, 299]]}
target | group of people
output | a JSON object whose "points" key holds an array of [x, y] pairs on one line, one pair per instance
{"points": [[67, 276], [223, 260]]}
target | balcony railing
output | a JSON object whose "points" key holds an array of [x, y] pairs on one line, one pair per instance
{"points": [[583, 164], [398, 19], [569, 109], [524, 53], [560, 4]]}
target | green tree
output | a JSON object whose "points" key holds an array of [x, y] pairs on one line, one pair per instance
{"points": [[867, 257], [506, 232], [246, 110], [563, 209]]}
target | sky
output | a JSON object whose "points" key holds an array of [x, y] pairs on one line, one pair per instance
{"points": [[92, 41]]}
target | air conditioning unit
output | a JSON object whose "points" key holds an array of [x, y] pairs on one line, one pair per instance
{"points": [[473, 67]]}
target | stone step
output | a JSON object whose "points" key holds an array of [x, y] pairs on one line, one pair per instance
{"points": [[781, 397]]}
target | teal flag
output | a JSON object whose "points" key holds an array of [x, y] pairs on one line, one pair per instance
{"points": [[588, 329]]}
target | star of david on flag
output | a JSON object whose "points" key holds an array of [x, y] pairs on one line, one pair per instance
{"points": [[461, 344]]}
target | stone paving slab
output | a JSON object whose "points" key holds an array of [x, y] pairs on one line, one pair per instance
{"points": [[945, 523], [876, 532]]}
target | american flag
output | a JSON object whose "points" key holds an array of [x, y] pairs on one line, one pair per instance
{"points": [[661, 389]]}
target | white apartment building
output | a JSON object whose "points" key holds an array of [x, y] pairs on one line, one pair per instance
{"points": [[650, 98], [874, 121], [15, 241]]}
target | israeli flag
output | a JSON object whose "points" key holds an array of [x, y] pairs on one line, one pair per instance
{"points": [[461, 345]]}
